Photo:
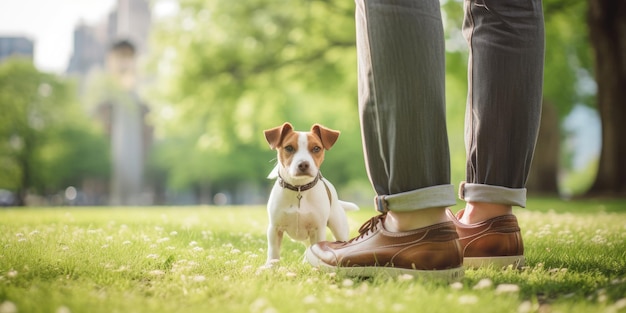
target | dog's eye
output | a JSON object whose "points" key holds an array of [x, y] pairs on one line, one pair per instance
{"points": [[316, 149], [289, 148]]}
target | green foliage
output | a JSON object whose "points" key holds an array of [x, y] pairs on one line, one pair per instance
{"points": [[568, 63], [228, 70], [208, 259], [72, 154], [49, 145]]}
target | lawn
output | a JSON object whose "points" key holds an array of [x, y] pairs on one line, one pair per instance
{"points": [[208, 259]]}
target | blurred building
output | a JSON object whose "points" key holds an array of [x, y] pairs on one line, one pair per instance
{"points": [[16, 46], [130, 20], [127, 128], [115, 47], [89, 49]]}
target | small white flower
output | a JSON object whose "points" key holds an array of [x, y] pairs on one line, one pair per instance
{"points": [[198, 249], [193, 243], [173, 233], [525, 307], [405, 277], [152, 256], [126, 242], [235, 251], [122, 268], [483, 284], [199, 278], [468, 299], [8, 307], [12, 274], [157, 273], [310, 299], [456, 285], [620, 304], [63, 309], [398, 307], [291, 274], [349, 282], [164, 239], [507, 288]]}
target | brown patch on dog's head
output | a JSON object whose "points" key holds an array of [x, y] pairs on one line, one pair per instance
{"points": [[283, 139], [326, 135], [297, 150], [276, 135]]}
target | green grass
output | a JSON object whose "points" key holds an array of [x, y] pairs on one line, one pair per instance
{"points": [[207, 259]]}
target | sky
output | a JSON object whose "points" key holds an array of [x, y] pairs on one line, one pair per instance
{"points": [[50, 24]]}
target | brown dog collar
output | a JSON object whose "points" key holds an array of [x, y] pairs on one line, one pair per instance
{"points": [[298, 188]]}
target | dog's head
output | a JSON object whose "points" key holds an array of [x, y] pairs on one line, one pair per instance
{"points": [[300, 154]]}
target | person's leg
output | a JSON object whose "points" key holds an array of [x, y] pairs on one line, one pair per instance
{"points": [[401, 65], [506, 40]]}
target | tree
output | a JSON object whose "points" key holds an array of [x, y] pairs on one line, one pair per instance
{"points": [[228, 70], [566, 57], [607, 25], [49, 146]]}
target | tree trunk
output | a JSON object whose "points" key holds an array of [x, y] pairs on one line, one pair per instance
{"points": [[544, 170], [607, 25], [25, 161]]}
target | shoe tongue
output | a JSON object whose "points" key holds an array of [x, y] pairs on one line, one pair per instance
{"points": [[460, 214]]}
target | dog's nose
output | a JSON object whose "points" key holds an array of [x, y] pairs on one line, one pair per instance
{"points": [[303, 166]]}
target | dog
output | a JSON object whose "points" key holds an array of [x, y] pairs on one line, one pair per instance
{"points": [[302, 203]]}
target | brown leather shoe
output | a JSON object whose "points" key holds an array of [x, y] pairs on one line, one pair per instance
{"points": [[429, 252], [495, 242]]}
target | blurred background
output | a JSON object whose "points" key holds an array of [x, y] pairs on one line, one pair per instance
{"points": [[164, 102]]}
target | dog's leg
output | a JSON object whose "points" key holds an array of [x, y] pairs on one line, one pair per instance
{"points": [[317, 235], [274, 239], [338, 223]]}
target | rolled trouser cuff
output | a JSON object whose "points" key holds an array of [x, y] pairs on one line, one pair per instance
{"points": [[423, 198], [492, 194]]}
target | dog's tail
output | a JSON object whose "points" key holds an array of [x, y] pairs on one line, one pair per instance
{"points": [[274, 173], [348, 206]]}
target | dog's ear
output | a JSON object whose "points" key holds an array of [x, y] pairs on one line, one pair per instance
{"points": [[327, 135], [274, 136]]}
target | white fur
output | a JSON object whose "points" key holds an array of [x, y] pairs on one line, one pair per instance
{"points": [[316, 209]]}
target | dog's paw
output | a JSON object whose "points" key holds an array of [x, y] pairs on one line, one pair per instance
{"points": [[269, 264]]}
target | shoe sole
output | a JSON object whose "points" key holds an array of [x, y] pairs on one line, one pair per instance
{"points": [[447, 275], [516, 261]]}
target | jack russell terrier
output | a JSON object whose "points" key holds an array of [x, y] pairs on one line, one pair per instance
{"points": [[302, 202]]}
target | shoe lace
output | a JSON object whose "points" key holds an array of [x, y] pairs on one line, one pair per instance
{"points": [[368, 226]]}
